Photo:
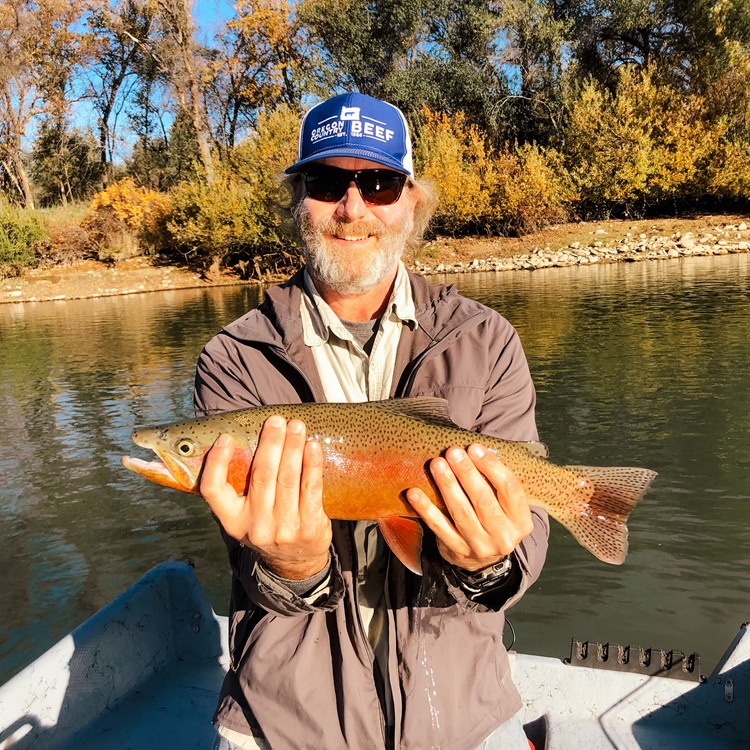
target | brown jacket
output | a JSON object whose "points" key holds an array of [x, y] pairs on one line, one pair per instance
{"points": [[302, 675]]}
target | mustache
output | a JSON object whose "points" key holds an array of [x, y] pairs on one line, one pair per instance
{"points": [[347, 230]]}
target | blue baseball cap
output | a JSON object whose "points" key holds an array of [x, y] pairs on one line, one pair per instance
{"points": [[355, 125]]}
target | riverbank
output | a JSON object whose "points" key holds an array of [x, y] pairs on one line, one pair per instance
{"points": [[580, 243]]}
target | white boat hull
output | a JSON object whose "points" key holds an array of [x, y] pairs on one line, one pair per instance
{"points": [[145, 671]]}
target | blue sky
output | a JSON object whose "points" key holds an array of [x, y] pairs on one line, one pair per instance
{"points": [[209, 15]]}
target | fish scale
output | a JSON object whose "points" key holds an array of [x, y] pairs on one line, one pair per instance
{"points": [[375, 451]]}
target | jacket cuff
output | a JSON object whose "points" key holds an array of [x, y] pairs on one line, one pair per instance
{"points": [[313, 589], [276, 595], [493, 599]]}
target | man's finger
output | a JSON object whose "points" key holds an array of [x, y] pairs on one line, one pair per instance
{"points": [[214, 473], [221, 497], [288, 478], [437, 521], [480, 508], [509, 491], [264, 469], [311, 486]]}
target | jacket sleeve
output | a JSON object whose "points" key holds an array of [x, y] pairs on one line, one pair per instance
{"points": [[269, 592], [509, 397], [223, 382]]}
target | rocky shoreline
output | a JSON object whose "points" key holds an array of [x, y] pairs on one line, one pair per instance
{"points": [[724, 240], [571, 245]]}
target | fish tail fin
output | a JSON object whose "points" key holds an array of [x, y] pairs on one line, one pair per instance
{"points": [[404, 537], [601, 524]]}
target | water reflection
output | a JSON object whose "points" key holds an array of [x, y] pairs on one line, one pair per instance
{"points": [[640, 364], [77, 528], [644, 365]]}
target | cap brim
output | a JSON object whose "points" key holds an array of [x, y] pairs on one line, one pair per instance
{"points": [[358, 153]]}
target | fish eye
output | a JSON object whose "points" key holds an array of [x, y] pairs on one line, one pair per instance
{"points": [[186, 447]]}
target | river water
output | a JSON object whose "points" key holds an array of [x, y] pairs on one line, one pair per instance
{"points": [[635, 364]]}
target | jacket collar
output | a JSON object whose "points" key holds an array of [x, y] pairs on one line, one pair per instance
{"points": [[438, 309]]}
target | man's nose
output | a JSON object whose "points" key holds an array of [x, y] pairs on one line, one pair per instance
{"points": [[351, 206]]}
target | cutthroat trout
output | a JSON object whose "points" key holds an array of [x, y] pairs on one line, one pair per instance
{"points": [[374, 451]]}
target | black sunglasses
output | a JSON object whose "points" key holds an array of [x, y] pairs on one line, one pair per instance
{"points": [[378, 187]]}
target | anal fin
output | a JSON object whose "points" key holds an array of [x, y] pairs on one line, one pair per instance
{"points": [[404, 537]]}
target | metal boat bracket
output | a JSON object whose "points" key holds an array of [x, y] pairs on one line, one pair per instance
{"points": [[636, 659]]}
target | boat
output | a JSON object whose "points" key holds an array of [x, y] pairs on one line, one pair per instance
{"points": [[144, 672]]}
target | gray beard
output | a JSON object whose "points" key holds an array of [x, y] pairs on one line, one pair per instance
{"points": [[333, 269]]}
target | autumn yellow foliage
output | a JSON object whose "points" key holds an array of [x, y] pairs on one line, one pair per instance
{"points": [[645, 145], [516, 190], [533, 189], [729, 174], [126, 220], [455, 156]]}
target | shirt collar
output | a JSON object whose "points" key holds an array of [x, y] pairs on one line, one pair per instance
{"points": [[319, 321]]}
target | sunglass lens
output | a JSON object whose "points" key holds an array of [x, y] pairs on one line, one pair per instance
{"points": [[380, 188], [377, 187], [327, 186]]}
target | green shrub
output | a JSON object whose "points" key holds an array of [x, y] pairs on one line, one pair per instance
{"points": [[235, 221], [20, 235]]}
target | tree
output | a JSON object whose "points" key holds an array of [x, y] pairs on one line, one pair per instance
{"points": [[534, 37], [458, 63], [444, 54], [148, 114], [177, 53], [40, 50], [682, 41], [20, 98], [263, 58], [119, 35], [65, 164], [367, 43]]}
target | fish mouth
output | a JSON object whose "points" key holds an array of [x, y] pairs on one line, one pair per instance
{"points": [[167, 472], [155, 471], [173, 476]]}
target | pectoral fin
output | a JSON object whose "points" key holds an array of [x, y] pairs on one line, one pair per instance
{"points": [[404, 537]]}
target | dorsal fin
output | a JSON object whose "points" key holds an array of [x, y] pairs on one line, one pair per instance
{"points": [[429, 409]]}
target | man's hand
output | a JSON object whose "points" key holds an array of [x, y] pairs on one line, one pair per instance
{"points": [[282, 514], [489, 511]]}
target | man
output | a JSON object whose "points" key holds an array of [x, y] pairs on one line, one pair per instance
{"points": [[335, 644]]}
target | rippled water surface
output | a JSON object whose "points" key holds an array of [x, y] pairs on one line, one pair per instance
{"points": [[644, 364]]}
